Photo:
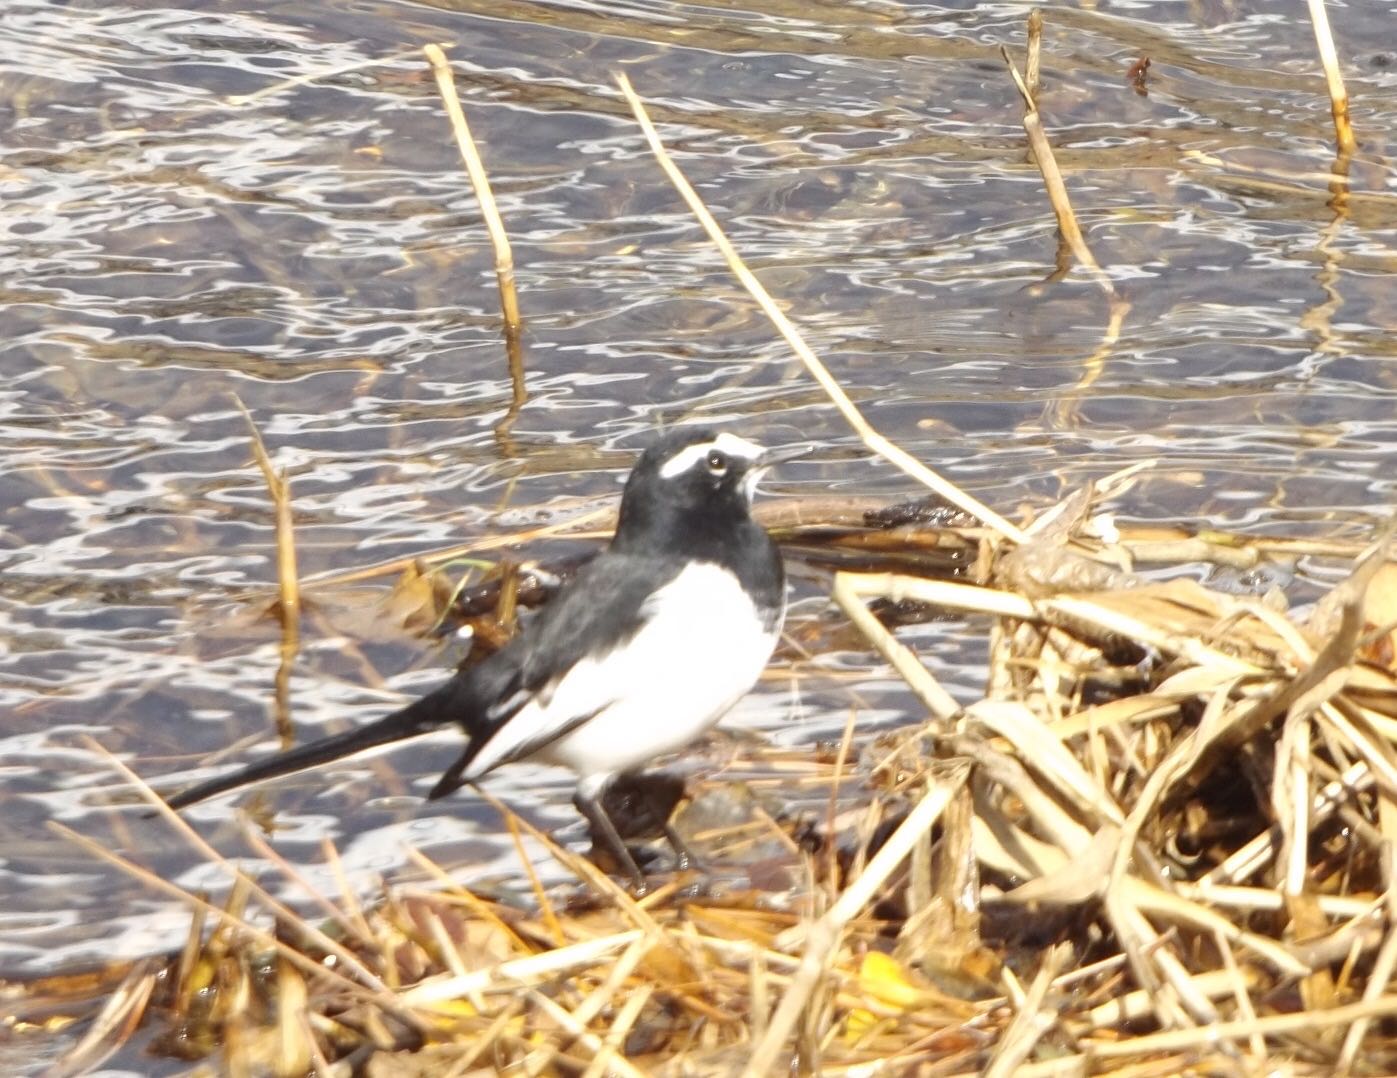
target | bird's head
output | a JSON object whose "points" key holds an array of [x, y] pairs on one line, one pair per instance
{"points": [[696, 475]]}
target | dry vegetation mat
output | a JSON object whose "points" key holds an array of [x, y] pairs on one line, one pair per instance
{"points": [[1160, 843]]}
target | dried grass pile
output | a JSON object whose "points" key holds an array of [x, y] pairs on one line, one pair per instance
{"points": [[1160, 844]]}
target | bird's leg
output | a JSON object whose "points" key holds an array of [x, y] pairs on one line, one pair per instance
{"points": [[588, 800], [684, 856], [658, 794]]}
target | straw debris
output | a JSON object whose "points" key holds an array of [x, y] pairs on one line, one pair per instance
{"points": [[1161, 840]]}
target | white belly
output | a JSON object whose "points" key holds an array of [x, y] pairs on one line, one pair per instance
{"points": [[701, 650]]}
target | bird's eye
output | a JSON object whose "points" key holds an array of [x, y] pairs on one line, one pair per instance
{"points": [[717, 462]]}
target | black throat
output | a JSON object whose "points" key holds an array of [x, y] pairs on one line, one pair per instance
{"points": [[720, 531]]}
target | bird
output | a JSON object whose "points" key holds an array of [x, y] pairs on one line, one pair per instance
{"points": [[644, 650]]}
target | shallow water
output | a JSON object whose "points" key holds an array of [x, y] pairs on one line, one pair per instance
{"points": [[196, 204]]}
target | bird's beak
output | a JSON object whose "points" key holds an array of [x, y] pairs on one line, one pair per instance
{"points": [[768, 458], [772, 457]]}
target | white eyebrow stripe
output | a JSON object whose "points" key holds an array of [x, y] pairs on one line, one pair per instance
{"points": [[734, 446], [685, 459], [727, 443]]}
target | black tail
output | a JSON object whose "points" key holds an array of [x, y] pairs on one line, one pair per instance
{"points": [[446, 705]]}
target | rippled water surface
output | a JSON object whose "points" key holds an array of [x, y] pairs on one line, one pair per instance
{"points": [[265, 200]]}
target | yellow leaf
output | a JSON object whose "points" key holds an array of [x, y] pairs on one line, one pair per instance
{"points": [[858, 1025], [458, 1008], [882, 977]]}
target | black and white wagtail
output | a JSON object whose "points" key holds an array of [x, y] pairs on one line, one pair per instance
{"points": [[638, 655]]}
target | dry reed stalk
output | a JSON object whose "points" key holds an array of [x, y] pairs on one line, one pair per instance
{"points": [[1043, 751], [239, 100], [446, 949], [189, 955], [119, 1017], [599, 1048], [291, 1053], [352, 907], [1273, 1025], [570, 528], [1256, 854], [581, 868], [1289, 183], [1032, 1018], [1131, 1007], [1290, 797], [453, 892], [1247, 900], [1140, 542], [212, 856], [499, 239], [821, 937], [510, 975], [487, 1040], [938, 701], [1080, 610], [1042, 154], [1333, 77], [968, 597], [1380, 976], [1147, 897], [335, 915], [279, 487], [518, 391], [371, 988], [1242, 986], [621, 1026], [620, 972], [288, 580], [1033, 64], [545, 904], [318, 1064], [831, 858], [1052, 181], [871, 438]]}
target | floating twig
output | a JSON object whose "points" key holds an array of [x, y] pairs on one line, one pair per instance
{"points": [[1138, 75]]}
